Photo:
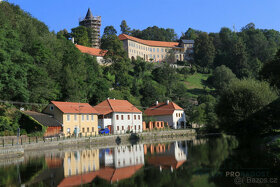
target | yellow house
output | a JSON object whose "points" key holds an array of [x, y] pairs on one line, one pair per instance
{"points": [[81, 162], [76, 118]]}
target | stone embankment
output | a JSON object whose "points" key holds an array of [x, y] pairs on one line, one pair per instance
{"points": [[98, 141]]}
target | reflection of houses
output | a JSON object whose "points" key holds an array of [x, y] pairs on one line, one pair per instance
{"points": [[120, 116], [167, 156], [80, 162], [115, 164], [75, 117], [168, 112]]}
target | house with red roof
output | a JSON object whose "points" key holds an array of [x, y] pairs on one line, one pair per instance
{"points": [[169, 112], [156, 51], [120, 116], [76, 118], [98, 53]]}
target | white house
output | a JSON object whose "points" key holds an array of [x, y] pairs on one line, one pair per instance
{"points": [[168, 112], [120, 116]]}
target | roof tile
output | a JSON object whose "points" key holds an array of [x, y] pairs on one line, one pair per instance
{"points": [[162, 109], [92, 51], [115, 105], [149, 42], [74, 108]]}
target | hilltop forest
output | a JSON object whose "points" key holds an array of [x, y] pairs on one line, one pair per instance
{"points": [[241, 69]]}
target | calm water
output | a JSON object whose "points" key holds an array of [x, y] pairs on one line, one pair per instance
{"points": [[212, 161]]}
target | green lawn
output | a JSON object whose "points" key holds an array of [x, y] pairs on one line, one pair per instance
{"points": [[195, 84]]}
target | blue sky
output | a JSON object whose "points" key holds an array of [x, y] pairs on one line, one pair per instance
{"points": [[205, 15]]}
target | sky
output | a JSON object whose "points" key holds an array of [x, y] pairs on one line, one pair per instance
{"points": [[205, 15]]}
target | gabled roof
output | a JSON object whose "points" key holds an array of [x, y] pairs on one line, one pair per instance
{"points": [[92, 51], [74, 108], [188, 41], [115, 105], [44, 119], [162, 109], [149, 42]]}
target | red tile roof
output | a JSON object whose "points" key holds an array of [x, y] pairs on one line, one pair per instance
{"points": [[115, 105], [162, 109], [149, 42], [165, 161], [107, 173], [92, 51], [74, 108]]}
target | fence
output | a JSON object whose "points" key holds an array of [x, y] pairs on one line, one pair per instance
{"points": [[24, 140]]}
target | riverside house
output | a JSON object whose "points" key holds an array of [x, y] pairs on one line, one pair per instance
{"points": [[169, 112], [120, 116], [75, 117]]}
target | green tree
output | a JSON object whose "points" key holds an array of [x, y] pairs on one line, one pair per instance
{"points": [[111, 42], [221, 77], [124, 28], [191, 34], [81, 35], [156, 33], [241, 99], [271, 71], [204, 51]]}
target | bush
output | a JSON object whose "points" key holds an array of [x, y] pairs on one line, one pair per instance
{"points": [[241, 99], [31, 126]]}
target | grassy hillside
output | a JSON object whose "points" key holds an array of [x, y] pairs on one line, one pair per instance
{"points": [[196, 84]]}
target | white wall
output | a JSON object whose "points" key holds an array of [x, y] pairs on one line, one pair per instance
{"points": [[172, 119], [126, 122], [104, 122], [125, 156]]}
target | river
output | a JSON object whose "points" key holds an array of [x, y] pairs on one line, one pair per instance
{"points": [[209, 161]]}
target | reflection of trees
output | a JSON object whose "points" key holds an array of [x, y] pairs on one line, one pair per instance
{"points": [[251, 156], [10, 175]]}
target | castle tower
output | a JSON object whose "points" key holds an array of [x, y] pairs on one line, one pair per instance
{"points": [[93, 22]]}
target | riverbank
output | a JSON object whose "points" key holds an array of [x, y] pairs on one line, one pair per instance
{"points": [[48, 144]]}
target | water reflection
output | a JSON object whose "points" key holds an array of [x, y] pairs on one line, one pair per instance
{"points": [[179, 163], [170, 156]]}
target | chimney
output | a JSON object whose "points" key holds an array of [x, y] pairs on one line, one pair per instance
{"points": [[167, 102], [114, 98], [108, 98], [156, 102], [73, 40]]}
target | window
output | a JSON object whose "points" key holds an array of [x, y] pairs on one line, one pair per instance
{"points": [[87, 117], [139, 127], [75, 117], [122, 117], [83, 129], [135, 117], [128, 117], [122, 127], [117, 117], [157, 49], [135, 127], [92, 129], [88, 129], [51, 108], [158, 56], [154, 50], [118, 128], [139, 117], [176, 114], [92, 117], [162, 50], [68, 117], [83, 117]]}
